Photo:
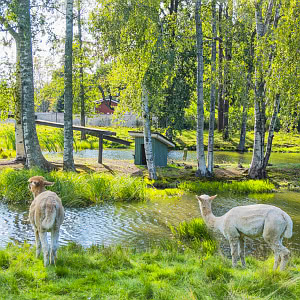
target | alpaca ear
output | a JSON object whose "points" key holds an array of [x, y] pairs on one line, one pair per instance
{"points": [[212, 197], [197, 197], [48, 183]]}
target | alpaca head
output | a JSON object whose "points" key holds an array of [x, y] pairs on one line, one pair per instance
{"points": [[37, 184], [205, 203]]}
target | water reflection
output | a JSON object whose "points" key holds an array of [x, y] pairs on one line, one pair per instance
{"points": [[220, 157], [142, 224]]}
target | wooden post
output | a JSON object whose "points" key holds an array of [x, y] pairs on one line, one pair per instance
{"points": [[100, 148], [185, 152]]}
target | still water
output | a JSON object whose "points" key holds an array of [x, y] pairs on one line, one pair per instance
{"points": [[220, 157], [141, 224]]}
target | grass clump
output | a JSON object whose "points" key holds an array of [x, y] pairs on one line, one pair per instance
{"points": [[75, 189], [237, 187], [157, 273], [196, 235]]}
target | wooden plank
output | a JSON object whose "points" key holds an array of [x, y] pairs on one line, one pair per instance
{"points": [[117, 140], [100, 152], [88, 130]]}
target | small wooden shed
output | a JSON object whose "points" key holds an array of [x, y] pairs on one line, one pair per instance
{"points": [[160, 148]]}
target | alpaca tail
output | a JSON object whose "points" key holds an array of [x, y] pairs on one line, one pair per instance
{"points": [[289, 228], [50, 215]]}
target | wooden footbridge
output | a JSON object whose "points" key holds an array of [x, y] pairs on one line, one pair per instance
{"points": [[101, 134]]}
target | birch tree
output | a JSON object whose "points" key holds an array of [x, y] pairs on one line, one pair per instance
{"points": [[201, 167], [130, 36], [258, 163], [17, 95], [34, 156], [68, 160], [210, 149]]}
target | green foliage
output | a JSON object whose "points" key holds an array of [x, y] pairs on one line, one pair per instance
{"points": [[238, 187], [6, 99]]}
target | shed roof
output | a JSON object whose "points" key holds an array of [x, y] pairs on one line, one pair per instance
{"points": [[154, 135]]}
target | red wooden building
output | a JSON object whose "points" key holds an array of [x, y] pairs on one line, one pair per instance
{"points": [[102, 107]]}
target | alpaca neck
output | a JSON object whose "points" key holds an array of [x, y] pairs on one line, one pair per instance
{"points": [[210, 219], [38, 191]]}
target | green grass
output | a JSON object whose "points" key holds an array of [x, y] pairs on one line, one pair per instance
{"points": [[237, 187], [82, 189], [75, 189], [157, 273], [51, 139]]}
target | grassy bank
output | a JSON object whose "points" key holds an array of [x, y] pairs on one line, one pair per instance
{"points": [[82, 189], [164, 272], [51, 139]]}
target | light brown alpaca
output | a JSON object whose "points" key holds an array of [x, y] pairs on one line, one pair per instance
{"points": [[46, 213], [252, 220]]}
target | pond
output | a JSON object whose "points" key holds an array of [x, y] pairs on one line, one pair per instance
{"points": [[142, 224], [220, 157]]}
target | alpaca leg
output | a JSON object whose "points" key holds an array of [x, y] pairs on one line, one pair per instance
{"points": [[277, 260], [43, 237], [285, 256], [37, 242], [242, 251], [54, 245], [272, 234], [234, 246]]}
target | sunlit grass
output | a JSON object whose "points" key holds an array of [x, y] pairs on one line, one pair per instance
{"points": [[238, 187], [51, 139], [75, 189], [161, 272]]}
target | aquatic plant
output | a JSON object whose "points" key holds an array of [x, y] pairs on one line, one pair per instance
{"points": [[238, 187]]}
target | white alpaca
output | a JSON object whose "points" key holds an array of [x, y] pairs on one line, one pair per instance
{"points": [[46, 213], [252, 220]]}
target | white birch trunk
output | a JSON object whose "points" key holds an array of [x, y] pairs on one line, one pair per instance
{"points": [[147, 135], [271, 130], [19, 136], [34, 156], [210, 150], [68, 159], [257, 168], [201, 169]]}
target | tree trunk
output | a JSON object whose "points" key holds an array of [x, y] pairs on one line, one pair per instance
{"points": [[19, 136], [68, 163], [271, 130], [210, 150], [220, 88], [147, 135], [81, 94], [227, 75], [34, 156], [256, 169], [201, 168], [259, 161], [241, 146]]}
